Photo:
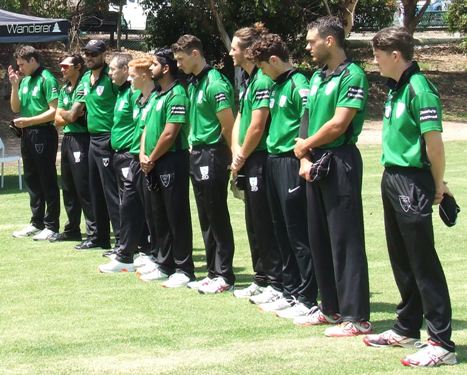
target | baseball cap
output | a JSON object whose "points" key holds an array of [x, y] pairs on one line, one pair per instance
{"points": [[95, 46], [448, 210]]}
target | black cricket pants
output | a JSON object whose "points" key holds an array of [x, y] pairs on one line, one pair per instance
{"points": [[408, 195], [39, 145], [104, 189], [170, 203], [75, 184], [209, 171], [287, 202], [336, 232], [265, 255], [135, 212]]}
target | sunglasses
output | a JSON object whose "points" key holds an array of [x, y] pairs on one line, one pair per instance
{"points": [[91, 54], [65, 66]]}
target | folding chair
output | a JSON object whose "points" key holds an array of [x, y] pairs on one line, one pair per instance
{"points": [[9, 159]]}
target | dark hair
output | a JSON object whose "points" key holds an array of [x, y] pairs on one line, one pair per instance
{"points": [[187, 43], [267, 46], [395, 39], [77, 59], [122, 59], [27, 53], [248, 35], [329, 26], [165, 56]]}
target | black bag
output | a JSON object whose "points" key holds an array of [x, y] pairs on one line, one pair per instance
{"points": [[18, 132], [448, 210], [321, 167]]}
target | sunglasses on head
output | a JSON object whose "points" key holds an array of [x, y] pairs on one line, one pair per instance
{"points": [[91, 54]]}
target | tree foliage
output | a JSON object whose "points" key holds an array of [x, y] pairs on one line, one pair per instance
{"points": [[374, 14], [457, 16]]}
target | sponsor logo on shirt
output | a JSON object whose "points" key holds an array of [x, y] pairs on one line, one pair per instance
{"points": [[65, 101], [400, 108], [355, 92], [330, 87], [429, 114], [282, 101], [25, 90], [100, 90], [220, 97], [178, 110], [35, 90]]}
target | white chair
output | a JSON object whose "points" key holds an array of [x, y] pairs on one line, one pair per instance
{"points": [[9, 159]]}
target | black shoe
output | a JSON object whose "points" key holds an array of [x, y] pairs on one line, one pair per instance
{"points": [[109, 253], [58, 237], [88, 244]]}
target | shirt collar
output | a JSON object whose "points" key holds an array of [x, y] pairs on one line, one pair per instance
{"points": [[37, 72], [125, 86], [338, 71], [140, 97], [161, 93], [285, 76], [196, 79], [405, 77]]}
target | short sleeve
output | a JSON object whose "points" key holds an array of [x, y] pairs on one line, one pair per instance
{"points": [[51, 88], [60, 98], [220, 95], [79, 92], [261, 94], [300, 94], [353, 91], [426, 109], [177, 109]]}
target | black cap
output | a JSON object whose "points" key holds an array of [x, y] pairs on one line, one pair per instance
{"points": [[96, 46], [448, 210]]}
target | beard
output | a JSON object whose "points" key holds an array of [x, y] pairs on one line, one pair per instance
{"points": [[158, 76]]}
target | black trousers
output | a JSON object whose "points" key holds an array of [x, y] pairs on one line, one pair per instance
{"points": [[265, 255], [210, 177], [287, 201], [75, 184], [135, 207], [103, 185], [335, 228], [172, 217], [408, 195], [39, 152]]}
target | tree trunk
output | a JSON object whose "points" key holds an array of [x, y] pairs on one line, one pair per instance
{"points": [[347, 14], [410, 16]]}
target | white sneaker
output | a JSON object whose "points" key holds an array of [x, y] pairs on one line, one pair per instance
{"points": [[431, 355], [30, 230], [116, 266], [147, 268], [176, 280], [297, 310], [197, 284], [252, 290], [316, 317], [142, 259], [217, 285], [44, 235], [280, 304], [157, 274], [269, 295]]}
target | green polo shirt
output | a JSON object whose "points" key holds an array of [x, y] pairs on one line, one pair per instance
{"points": [[254, 94], [209, 92], [346, 87], [36, 91], [123, 128], [100, 101], [170, 106], [287, 104], [68, 96], [140, 117], [413, 107]]}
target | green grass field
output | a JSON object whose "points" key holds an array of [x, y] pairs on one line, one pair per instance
{"points": [[58, 315]]}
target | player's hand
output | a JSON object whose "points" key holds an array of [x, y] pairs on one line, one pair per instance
{"points": [[305, 166], [440, 191], [22, 122], [14, 76], [300, 149], [237, 162]]}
